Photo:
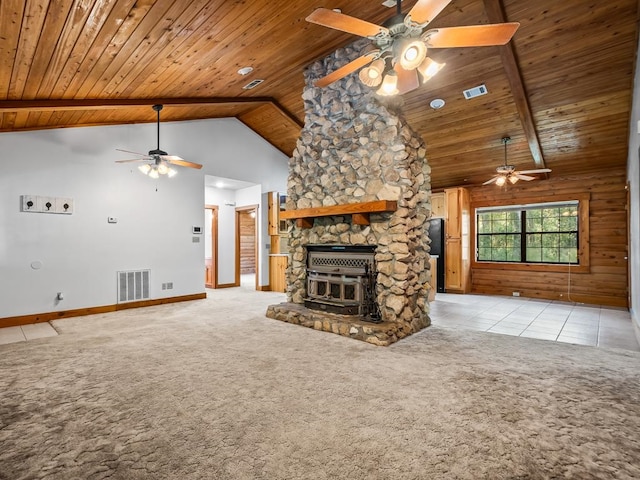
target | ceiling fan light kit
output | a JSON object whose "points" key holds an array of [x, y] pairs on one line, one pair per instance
{"points": [[371, 76], [508, 173], [158, 162], [389, 85], [429, 68], [402, 45]]}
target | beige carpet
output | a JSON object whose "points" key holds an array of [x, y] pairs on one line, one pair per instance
{"points": [[214, 390]]}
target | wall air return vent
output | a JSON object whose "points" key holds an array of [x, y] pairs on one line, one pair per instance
{"points": [[252, 84], [475, 91], [133, 285]]}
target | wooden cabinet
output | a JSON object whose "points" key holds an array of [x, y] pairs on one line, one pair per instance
{"points": [[457, 250], [273, 213], [277, 272], [438, 205], [277, 261], [433, 281], [209, 273]]}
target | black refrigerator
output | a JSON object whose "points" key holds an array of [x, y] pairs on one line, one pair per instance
{"points": [[436, 234]]}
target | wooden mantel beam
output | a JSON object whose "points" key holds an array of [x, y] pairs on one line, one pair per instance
{"points": [[495, 14], [359, 212]]}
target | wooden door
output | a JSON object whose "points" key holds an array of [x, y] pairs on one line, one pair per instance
{"points": [[247, 242], [211, 246], [456, 260]]}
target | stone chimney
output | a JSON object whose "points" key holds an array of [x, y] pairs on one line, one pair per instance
{"points": [[355, 148]]}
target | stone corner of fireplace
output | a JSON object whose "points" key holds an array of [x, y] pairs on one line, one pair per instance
{"points": [[380, 334]]}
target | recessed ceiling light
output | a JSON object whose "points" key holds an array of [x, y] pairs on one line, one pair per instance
{"points": [[437, 103], [219, 184], [245, 70]]}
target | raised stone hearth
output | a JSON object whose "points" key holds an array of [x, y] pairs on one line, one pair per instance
{"points": [[352, 326], [353, 149]]}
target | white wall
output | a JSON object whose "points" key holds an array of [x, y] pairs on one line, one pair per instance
{"points": [[227, 229], [225, 200], [633, 177], [227, 148], [81, 253]]}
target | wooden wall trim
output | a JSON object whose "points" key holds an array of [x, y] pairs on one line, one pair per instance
{"points": [[583, 235], [78, 312]]}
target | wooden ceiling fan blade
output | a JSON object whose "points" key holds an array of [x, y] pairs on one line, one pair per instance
{"points": [[170, 158], [424, 11], [133, 153], [345, 23], [539, 170], [133, 160], [491, 180], [346, 69], [183, 163], [471, 36], [526, 178], [407, 79]]}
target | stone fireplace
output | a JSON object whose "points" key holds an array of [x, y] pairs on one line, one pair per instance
{"points": [[357, 178]]}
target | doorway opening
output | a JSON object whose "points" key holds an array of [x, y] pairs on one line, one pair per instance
{"points": [[211, 246], [247, 244]]}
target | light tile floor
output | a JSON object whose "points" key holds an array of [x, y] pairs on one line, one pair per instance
{"points": [[543, 319], [576, 323], [26, 332]]}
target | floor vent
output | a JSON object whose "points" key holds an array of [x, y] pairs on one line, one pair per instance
{"points": [[475, 91], [133, 285]]}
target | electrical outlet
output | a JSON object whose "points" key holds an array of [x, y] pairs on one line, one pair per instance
{"points": [[64, 205], [516, 294], [30, 203]]}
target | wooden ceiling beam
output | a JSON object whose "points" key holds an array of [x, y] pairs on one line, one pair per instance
{"points": [[14, 106], [496, 14], [115, 103]]}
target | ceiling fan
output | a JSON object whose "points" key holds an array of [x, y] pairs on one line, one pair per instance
{"points": [[508, 173], [399, 46], [158, 162]]}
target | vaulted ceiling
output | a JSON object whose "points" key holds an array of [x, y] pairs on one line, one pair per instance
{"points": [[561, 89]]}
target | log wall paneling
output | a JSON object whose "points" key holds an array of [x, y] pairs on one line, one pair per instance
{"points": [[247, 243], [605, 279]]}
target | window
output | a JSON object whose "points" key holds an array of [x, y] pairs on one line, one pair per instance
{"points": [[540, 233]]}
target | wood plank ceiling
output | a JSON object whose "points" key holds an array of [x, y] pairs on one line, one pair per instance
{"points": [[561, 89]]}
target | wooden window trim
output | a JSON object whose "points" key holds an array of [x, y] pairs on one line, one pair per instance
{"points": [[583, 235]]}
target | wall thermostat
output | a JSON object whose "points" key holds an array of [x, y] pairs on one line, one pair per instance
{"points": [[196, 229]]}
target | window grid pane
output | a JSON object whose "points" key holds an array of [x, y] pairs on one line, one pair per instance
{"points": [[550, 235]]}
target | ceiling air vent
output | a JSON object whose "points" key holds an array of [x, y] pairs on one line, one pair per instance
{"points": [[252, 84], [475, 91]]}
